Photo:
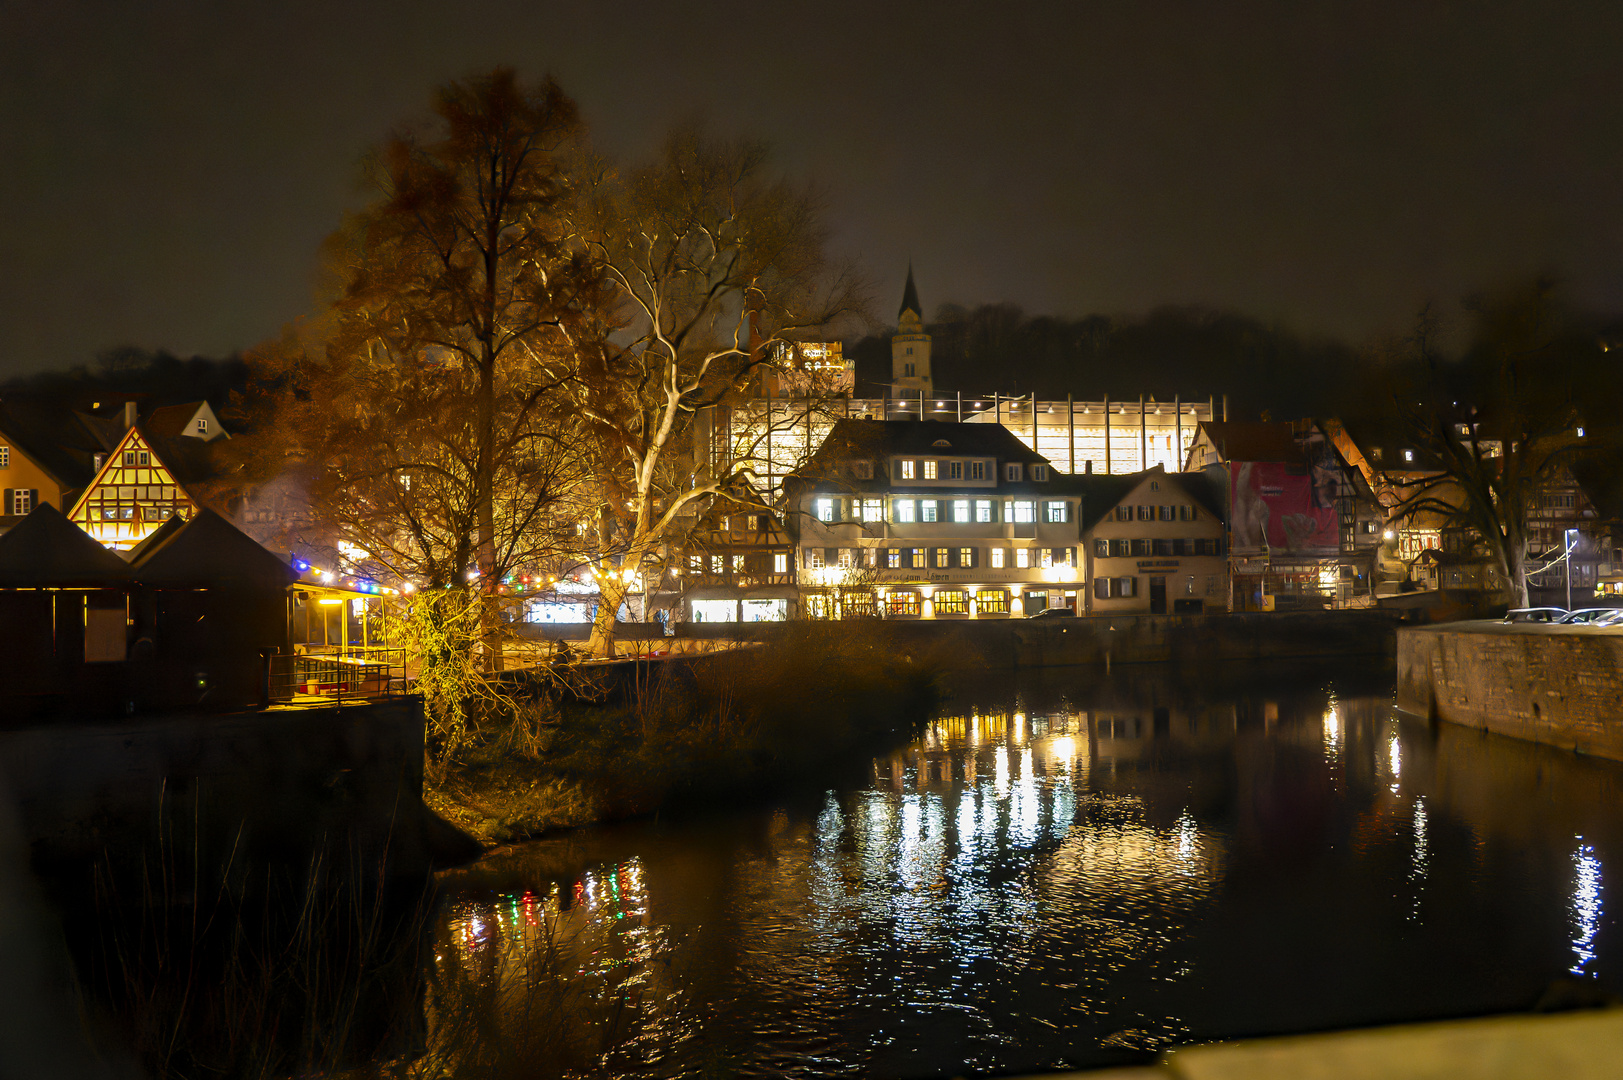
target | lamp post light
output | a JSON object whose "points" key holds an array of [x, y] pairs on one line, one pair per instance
{"points": [[1571, 538]]}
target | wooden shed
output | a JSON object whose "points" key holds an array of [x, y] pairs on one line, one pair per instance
{"points": [[64, 620], [212, 608]]}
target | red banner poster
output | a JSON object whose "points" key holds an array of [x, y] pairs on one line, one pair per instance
{"points": [[1274, 511]]}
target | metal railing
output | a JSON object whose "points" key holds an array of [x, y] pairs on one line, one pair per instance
{"points": [[338, 672]]}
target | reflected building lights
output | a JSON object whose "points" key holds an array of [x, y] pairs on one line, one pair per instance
{"points": [[1394, 758], [1586, 906]]}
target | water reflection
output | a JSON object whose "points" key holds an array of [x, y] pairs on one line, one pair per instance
{"points": [[1060, 871], [1585, 907]]}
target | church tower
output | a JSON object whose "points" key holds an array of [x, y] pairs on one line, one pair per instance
{"points": [[910, 348]]}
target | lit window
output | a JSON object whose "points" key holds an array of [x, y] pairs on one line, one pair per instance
{"points": [[1039, 472], [941, 558], [983, 510], [825, 509], [1024, 511], [1408, 455], [873, 509], [1053, 511], [951, 602], [1011, 471], [992, 602], [960, 511], [997, 558], [752, 522], [1022, 558], [780, 562], [1047, 558], [929, 470], [716, 564], [848, 558], [893, 558], [814, 558], [202, 426], [966, 557], [904, 510], [903, 603], [927, 510], [909, 469], [5, 457], [977, 470], [916, 558]]}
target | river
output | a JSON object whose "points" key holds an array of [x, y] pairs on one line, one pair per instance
{"points": [[1067, 869]]}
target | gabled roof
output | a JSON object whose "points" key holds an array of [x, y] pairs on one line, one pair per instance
{"points": [[1102, 493], [910, 297], [46, 549], [1251, 441], [853, 438], [207, 551]]}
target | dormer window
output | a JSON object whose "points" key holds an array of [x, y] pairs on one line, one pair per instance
{"points": [[942, 444], [909, 470], [1039, 472], [977, 470], [862, 470], [202, 425], [929, 470], [1408, 455], [1375, 453], [1011, 471]]}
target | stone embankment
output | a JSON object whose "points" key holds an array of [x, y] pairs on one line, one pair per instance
{"points": [[1558, 685], [1101, 641]]}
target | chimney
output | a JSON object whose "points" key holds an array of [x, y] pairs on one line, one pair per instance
{"points": [[129, 415]]}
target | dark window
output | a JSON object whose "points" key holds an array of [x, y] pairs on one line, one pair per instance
{"points": [[1101, 549], [1161, 547], [1141, 547], [1120, 549], [1146, 513]]}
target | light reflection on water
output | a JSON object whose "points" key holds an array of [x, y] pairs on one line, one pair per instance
{"points": [[1060, 876]]}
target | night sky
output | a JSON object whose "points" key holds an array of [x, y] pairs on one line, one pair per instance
{"points": [[168, 170]]}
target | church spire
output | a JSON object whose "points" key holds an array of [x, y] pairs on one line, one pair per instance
{"points": [[910, 297]]}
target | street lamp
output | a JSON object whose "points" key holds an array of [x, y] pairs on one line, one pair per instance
{"points": [[1572, 538]]}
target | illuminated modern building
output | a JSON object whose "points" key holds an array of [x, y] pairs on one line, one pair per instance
{"points": [[788, 415]]}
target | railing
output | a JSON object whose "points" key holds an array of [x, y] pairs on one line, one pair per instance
{"points": [[338, 672]]}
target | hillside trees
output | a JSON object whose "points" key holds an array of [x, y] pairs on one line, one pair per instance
{"points": [[719, 269]]}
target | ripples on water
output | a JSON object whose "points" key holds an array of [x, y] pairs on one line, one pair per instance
{"points": [[1060, 872]]}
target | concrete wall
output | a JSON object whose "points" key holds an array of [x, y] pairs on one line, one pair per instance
{"points": [[1558, 685], [257, 788]]}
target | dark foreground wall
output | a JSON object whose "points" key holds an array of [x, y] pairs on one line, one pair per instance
{"points": [[248, 789], [1558, 685]]}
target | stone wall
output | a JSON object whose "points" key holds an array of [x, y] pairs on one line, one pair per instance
{"points": [[1558, 685], [283, 786]]}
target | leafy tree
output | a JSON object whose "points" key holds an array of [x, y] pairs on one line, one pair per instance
{"points": [[719, 269], [420, 413]]}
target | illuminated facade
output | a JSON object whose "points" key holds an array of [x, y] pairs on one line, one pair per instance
{"points": [[933, 520], [133, 494]]}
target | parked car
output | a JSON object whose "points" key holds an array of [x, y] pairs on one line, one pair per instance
{"points": [[1054, 613], [1591, 616], [1535, 614]]}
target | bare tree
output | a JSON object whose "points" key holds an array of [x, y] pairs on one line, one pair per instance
{"points": [[715, 262], [1496, 425]]}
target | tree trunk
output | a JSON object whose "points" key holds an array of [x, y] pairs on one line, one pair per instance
{"points": [[613, 589], [484, 485]]}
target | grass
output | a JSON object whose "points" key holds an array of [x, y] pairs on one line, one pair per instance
{"points": [[675, 733]]}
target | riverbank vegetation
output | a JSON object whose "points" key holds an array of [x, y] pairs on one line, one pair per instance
{"points": [[604, 743]]}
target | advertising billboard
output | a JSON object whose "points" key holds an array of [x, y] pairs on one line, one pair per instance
{"points": [[1283, 509]]}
